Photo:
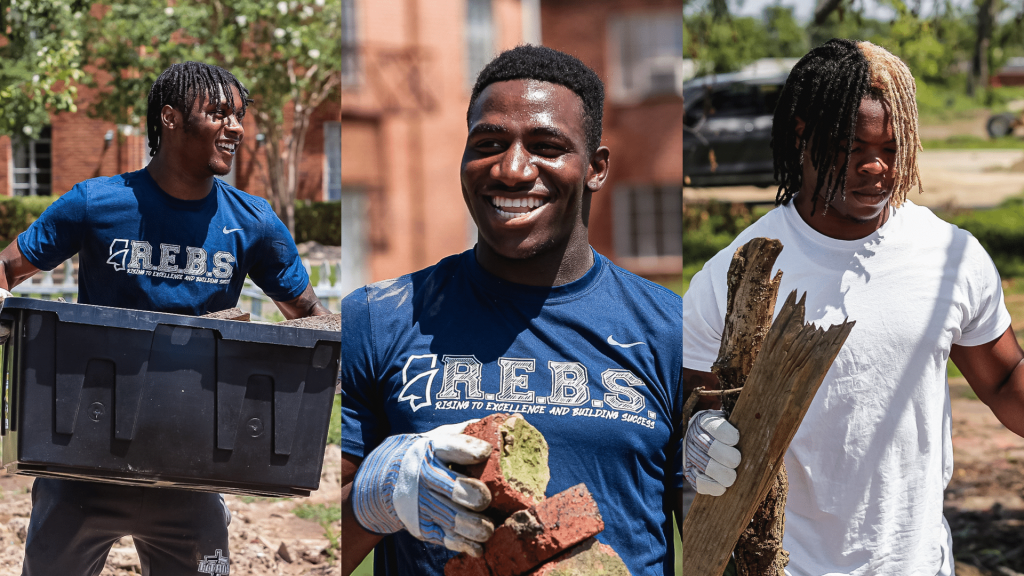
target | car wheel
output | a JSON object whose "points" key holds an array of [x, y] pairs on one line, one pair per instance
{"points": [[1000, 125]]}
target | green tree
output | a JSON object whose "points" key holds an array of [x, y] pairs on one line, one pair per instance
{"points": [[287, 54], [40, 47], [786, 37]]}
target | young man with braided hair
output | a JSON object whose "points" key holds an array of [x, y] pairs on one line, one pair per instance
{"points": [[531, 321], [167, 238], [868, 465]]}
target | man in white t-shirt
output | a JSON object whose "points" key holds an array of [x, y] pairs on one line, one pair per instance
{"points": [[868, 465]]}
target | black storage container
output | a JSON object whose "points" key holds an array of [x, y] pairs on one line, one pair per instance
{"points": [[146, 398]]}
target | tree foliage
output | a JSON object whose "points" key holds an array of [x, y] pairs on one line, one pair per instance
{"points": [[39, 62], [286, 53], [938, 40], [720, 42]]}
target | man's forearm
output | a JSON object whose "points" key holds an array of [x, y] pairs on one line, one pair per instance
{"points": [[356, 542], [1007, 403], [307, 304]]}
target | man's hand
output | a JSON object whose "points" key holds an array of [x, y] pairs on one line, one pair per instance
{"points": [[709, 459], [405, 483]]}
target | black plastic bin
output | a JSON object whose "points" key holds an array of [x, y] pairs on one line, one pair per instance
{"points": [[145, 398]]}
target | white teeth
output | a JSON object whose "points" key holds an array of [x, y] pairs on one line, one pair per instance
{"points": [[500, 202]]}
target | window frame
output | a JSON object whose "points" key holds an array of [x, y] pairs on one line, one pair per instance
{"points": [[32, 187]]}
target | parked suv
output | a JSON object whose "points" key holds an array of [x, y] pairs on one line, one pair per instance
{"points": [[727, 129]]}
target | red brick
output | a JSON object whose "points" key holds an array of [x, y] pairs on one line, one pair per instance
{"points": [[506, 496], [589, 558], [530, 537]]}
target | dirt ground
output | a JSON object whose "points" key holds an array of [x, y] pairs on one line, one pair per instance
{"points": [[985, 499], [267, 538]]}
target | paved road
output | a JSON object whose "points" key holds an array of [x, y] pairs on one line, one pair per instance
{"points": [[963, 178]]}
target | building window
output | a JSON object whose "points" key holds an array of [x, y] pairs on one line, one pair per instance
{"points": [[648, 220], [332, 160], [647, 55], [355, 234], [349, 45], [32, 165], [479, 38]]}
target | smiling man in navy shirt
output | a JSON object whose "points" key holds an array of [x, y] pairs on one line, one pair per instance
{"points": [[531, 321], [167, 238]]}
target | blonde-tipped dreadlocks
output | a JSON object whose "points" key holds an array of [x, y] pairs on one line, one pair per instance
{"points": [[891, 77], [824, 90]]}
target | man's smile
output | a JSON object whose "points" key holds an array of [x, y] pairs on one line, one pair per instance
{"points": [[227, 146], [514, 208]]}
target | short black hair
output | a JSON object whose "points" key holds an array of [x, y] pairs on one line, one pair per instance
{"points": [[548, 65], [181, 85]]}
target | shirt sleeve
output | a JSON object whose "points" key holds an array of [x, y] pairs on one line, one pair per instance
{"points": [[985, 316], [703, 323], [363, 421], [278, 270], [57, 234]]}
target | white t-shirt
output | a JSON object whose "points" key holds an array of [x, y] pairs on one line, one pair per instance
{"points": [[868, 465]]}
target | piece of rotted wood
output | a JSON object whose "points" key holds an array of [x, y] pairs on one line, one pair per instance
{"points": [[750, 305], [783, 380]]}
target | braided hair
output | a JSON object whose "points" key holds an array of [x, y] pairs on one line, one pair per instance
{"points": [[825, 90], [181, 85]]}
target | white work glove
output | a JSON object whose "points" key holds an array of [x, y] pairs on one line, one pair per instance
{"points": [[709, 459], [5, 329], [405, 483]]}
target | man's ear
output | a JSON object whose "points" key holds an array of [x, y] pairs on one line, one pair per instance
{"points": [[597, 172], [800, 125], [170, 118]]}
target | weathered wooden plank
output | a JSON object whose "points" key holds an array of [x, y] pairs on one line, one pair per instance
{"points": [[783, 379]]}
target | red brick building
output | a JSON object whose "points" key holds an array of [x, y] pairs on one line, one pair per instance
{"points": [[407, 70]]}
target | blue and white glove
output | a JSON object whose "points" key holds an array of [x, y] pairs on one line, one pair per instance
{"points": [[405, 483], [5, 328], [709, 459]]}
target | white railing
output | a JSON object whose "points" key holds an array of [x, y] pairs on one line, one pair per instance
{"points": [[252, 299]]}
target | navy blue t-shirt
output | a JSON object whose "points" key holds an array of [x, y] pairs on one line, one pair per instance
{"points": [[143, 249], [595, 365]]}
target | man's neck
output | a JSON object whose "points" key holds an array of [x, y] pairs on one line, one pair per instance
{"points": [[834, 225], [177, 181], [550, 268]]}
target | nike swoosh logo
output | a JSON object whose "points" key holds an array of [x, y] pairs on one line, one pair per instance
{"points": [[611, 340], [226, 231]]}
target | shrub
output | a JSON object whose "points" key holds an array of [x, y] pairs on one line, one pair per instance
{"points": [[18, 212], [999, 230], [319, 221], [710, 227]]}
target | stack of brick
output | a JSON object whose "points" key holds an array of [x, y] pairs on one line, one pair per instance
{"points": [[535, 536]]}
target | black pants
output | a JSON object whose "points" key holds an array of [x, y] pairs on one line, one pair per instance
{"points": [[74, 524]]}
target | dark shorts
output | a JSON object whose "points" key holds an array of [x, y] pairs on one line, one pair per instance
{"points": [[74, 524]]}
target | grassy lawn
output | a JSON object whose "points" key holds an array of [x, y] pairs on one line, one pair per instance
{"points": [[967, 142]]}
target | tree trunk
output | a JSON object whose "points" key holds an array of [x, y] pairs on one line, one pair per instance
{"points": [[823, 9], [983, 40], [781, 380]]}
